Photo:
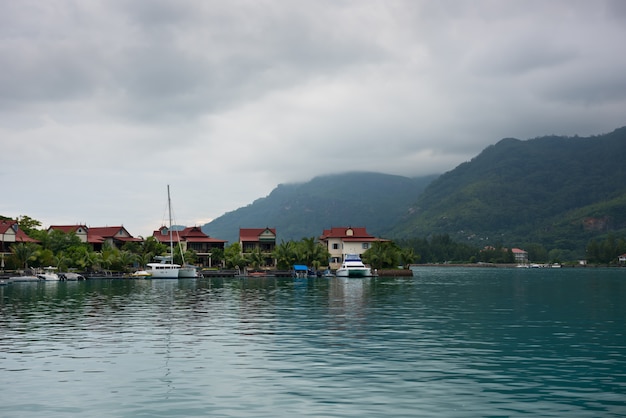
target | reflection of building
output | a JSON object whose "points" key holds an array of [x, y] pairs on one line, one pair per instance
{"points": [[258, 239], [341, 241], [115, 236], [192, 239]]}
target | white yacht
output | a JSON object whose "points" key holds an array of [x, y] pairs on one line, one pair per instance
{"points": [[352, 266], [162, 270], [49, 274]]}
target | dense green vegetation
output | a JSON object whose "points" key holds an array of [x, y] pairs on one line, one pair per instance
{"points": [[555, 192], [302, 210]]}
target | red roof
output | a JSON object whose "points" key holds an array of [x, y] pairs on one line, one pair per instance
{"points": [[189, 234], [358, 234], [67, 228], [20, 236], [252, 234]]}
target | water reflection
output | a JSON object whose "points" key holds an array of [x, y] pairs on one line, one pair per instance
{"points": [[447, 342]]}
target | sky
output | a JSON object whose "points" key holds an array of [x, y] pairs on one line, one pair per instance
{"points": [[103, 104]]}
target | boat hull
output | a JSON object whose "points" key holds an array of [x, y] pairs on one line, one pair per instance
{"points": [[353, 272], [163, 270]]}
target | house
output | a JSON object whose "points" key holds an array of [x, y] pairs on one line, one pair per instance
{"points": [[115, 236], [79, 230], [10, 233], [621, 259], [521, 256], [258, 239], [192, 239], [341, 241]]}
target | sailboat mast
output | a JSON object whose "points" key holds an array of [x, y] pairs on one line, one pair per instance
{"points": [[169, 208]]}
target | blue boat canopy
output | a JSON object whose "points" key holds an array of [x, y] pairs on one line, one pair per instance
{"points": [[300, 267]]}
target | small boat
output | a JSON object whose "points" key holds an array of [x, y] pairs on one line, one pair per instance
{"points": [[21, 279], [71, 276], [141, 274], [352, 266], [49, 274]]}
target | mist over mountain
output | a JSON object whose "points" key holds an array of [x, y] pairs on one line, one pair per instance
{"points": [[555, 191], [301, 210]]}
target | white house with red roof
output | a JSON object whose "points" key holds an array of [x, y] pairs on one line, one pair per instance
{"points": [[521, 256], [341, 241], [79, 230], [192, 238], [10, 233], [621, 258]]}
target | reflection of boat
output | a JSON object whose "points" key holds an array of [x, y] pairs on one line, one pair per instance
{"points": [[49, 274], [166, 269], [352, 266]]}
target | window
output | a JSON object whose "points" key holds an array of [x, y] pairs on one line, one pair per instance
{"points": [[366, 245], [335, 246]]}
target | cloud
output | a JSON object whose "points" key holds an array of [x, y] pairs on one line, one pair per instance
{"points": [[103, 103]]}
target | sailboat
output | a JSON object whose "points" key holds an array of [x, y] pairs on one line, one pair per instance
{"points": [[165, 268]]}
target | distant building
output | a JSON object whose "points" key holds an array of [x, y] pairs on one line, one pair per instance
{"points": [[621, 259], [97, 237], [10, 233], [79, 230], [521, 256], [263, 239], [193, 239], [341, 241]]}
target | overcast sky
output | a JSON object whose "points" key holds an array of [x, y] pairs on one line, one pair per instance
{"points": [[105, 103]]}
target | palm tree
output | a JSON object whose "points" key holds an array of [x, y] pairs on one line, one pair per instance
{"points": [[256, 258], [23, 252], [285, 254]]}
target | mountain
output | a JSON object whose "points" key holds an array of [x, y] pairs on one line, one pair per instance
{"points": [[556, 191], [300, 210]]}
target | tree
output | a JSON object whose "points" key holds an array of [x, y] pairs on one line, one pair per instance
{"points": [[27, 224], [382, 254], [233, 257], [23, 252], [285, 255]]}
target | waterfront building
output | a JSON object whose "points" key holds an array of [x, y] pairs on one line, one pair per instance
{"points": [[193, 239], [258, 239], [341, 241], [97, 237]]}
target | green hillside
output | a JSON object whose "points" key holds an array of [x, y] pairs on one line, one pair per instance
{"points": [[555, 191], [373, 200]]}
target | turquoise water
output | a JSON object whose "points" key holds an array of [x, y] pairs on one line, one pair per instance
{"points": [[448, 342]]}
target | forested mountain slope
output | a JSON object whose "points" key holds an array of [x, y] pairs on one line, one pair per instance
{"points": [[557, 191], [373, 200]]}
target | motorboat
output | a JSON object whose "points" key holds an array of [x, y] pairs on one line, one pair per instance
{"points": [[352, 266], [49, 274], [141, 274], [71, 276]]}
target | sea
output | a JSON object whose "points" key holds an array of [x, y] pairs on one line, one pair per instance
{"points": [[447, 342]]}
